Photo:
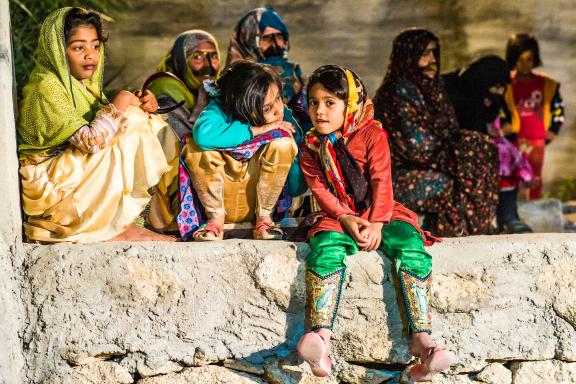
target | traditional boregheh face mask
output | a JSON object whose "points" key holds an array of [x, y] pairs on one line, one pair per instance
{"points": [[272, 43], [204, 60]]}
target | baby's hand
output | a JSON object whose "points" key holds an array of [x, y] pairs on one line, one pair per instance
{"points": [[124, 99], [283, 125], [353, 225], [373, 234], [148, 100]]}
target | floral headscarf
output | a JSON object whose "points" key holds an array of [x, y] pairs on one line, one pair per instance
{"points": [[176, 61], [341, 170], [407, 49], [54, 103]]}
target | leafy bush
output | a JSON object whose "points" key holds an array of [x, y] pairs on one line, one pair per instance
{"points": [[26, 17]]}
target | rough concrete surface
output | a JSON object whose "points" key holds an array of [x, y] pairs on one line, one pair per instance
{"points": [[233, 311]]}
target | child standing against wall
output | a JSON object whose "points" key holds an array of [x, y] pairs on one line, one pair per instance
{"points": [[535, 104]]}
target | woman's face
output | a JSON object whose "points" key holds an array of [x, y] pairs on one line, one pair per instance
{"points": [[427, 61], [204, 60], [273, 105], [272, 39], [326, 110], [83, 52]]}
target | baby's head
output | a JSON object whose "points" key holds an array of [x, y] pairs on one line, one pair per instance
{"points": [[252, 93], [327, 98], [83, 35]]}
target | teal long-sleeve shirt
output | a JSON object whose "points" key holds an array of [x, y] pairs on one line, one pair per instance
{"points": [[215, 130]]}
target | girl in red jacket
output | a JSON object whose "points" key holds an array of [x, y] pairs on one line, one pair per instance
{"points": [[345, 159]]}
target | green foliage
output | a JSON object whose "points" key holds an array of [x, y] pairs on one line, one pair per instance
{"points": [[26, 17], [564, 190]]}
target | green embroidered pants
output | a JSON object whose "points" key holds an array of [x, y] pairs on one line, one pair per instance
{"points": [[326, 272]]}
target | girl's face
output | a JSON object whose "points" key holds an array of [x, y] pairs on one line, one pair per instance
{"points": [[525, 63], [83, 52], [326, 110], [273, 105]]}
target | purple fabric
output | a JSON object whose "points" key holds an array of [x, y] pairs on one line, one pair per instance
{"points": [[191, 213], [512, 163]]}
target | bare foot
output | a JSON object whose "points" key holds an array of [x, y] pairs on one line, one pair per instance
{"points": [[135, 233]]}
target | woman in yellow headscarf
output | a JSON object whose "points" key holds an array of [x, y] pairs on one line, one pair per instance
{"points": [[193, 58], [86, 163]]}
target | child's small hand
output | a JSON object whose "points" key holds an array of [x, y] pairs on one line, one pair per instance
{"points": [[124, 99], [283, 125], [148, 100], [373, 234], [353, 225]]}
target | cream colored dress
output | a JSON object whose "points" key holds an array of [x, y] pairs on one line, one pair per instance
{"points": [[86, 197]]}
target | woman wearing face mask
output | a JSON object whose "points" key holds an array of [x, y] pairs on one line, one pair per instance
{"points": [[193, 58], [477, 94], [262, 36]]}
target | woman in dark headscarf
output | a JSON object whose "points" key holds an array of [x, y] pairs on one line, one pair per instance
{"points": [[445, 173], [477, 94], [262, 36]]}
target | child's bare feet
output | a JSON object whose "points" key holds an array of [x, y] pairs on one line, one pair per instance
{"points": [[135, 233]]}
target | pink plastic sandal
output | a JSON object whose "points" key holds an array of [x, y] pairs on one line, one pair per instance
{"points": [[314, 350], [432, 361]]}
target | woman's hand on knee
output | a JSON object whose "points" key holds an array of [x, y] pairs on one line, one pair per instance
{"points": [[353, 225], [124, 99], [283, 125]]}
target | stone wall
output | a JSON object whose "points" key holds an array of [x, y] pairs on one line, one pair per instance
{"points": [[11, 307], [231, 312]]}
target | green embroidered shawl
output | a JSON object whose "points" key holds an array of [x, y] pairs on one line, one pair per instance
{"points": [[55, 104]]}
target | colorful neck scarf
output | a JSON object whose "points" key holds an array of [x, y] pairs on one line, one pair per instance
{"points": [[343, 174], [54, 103], [176, 61]]}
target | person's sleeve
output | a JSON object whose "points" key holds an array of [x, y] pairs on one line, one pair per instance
{"points": [[319, 185], [411, 135], [557, 109], [215, 130], [380, 170], [100, 132]]}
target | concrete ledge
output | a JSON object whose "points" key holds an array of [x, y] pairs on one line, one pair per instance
{"points": [[160, 310]]}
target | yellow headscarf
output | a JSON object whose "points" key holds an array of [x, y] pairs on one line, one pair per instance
{"points": [[55, 104]]}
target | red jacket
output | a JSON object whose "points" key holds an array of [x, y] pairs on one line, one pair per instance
{"points": [[369, 147]]}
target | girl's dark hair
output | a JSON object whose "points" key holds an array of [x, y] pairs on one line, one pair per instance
{"points": [[77, 17], [332, 78], [242, 90], [520, 43]]}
